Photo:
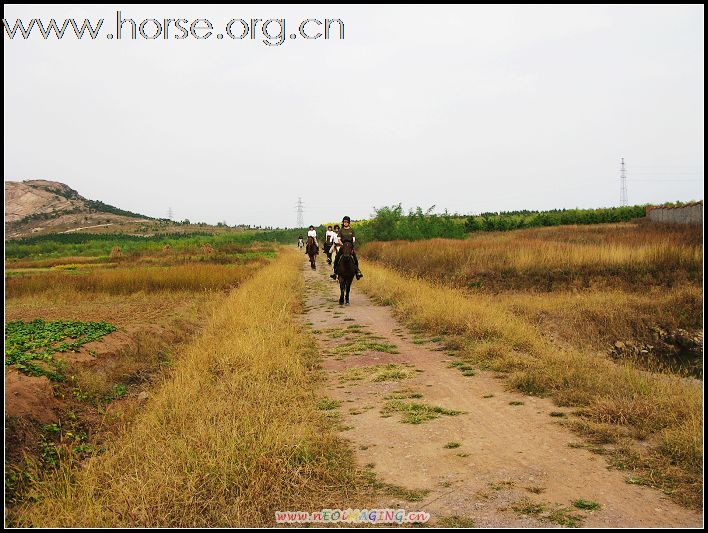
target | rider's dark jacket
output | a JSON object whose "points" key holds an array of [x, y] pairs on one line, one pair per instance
{"points": [[346, 234]]}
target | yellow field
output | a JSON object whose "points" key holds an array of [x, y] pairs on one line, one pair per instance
{"points": [[196, 276], [230, 436], [546, 259]]}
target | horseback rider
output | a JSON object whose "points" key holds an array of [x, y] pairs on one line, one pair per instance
{"points": [[346, 234], [311, 232], [300, 242], [329, 242], [329, 238], [335, 237]]}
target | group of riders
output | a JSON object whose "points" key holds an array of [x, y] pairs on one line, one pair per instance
{"points": [[334, 241]]}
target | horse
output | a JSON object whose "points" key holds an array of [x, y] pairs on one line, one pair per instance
{"points": [[345, 272], [312, 251], [328, 252]]}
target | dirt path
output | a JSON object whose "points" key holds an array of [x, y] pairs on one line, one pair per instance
{"points": [[86, 227], [510, 458]]}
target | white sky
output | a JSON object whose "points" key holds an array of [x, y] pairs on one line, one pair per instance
{"points": [[469, 108]]}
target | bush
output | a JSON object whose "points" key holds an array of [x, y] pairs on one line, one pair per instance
{"points": [[511, 220], [390, 223]]}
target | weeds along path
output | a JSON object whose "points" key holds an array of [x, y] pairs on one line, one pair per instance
{"points": [[232, 435], [442, 437]]}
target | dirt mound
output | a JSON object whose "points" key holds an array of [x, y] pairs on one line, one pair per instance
{"points": [[28, 396], [33, 206]]}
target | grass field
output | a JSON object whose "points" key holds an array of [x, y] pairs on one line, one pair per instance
{"points": [[630, 256], [186, 393], [635, 289], [86, 335], [230, 436], [613, 329]]}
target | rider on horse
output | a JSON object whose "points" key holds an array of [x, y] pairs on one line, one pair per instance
{"points": [[346, 234], [329, 238], [311, 232]]}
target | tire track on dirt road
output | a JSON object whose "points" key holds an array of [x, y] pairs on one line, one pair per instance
{"points": [[513, 466]]}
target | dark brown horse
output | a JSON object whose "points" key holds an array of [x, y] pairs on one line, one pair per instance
{"points": [[312, 251], [345, 272], [328, 249]]}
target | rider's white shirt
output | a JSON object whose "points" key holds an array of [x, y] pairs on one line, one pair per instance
{"points": [[312, 233], [330, 236]]}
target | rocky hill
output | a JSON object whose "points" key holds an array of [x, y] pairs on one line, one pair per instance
{"points": [[42, 206]]}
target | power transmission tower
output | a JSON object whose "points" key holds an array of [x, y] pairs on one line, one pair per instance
{"points": [[170, 214], [300, 208], [623, 184]]}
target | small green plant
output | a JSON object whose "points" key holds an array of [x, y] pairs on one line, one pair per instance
{"points": [[327, 404], [565, 517], [47, 448], [416, 413], [587, 505], [502, 485], [404, 395], [527, 507], [452, 444], [392, 372], [118, 392], [516, 403], [365, 345], [534, 489], [378, 373]]}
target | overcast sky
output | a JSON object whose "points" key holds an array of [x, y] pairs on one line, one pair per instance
{"points": [[469, 108]]}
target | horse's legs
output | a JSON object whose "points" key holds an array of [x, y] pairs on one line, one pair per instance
{"points": [[341, 292], [349, 286]]}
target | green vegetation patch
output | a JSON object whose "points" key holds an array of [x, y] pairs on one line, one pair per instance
{"points": [[365, 345], [565, 517], [415, 412], [404, 395], [30, 346], [528, 507], [377, 373], [588, 505]]}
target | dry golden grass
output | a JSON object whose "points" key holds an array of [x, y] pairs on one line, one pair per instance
{"points": [[663, 407], [544, 259], [48, 263], [193, 277], [123, 311], [231, 436], [596, 319], [152, 327]]}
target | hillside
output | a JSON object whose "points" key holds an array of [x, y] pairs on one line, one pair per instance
{"points": [[43, 206]]}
